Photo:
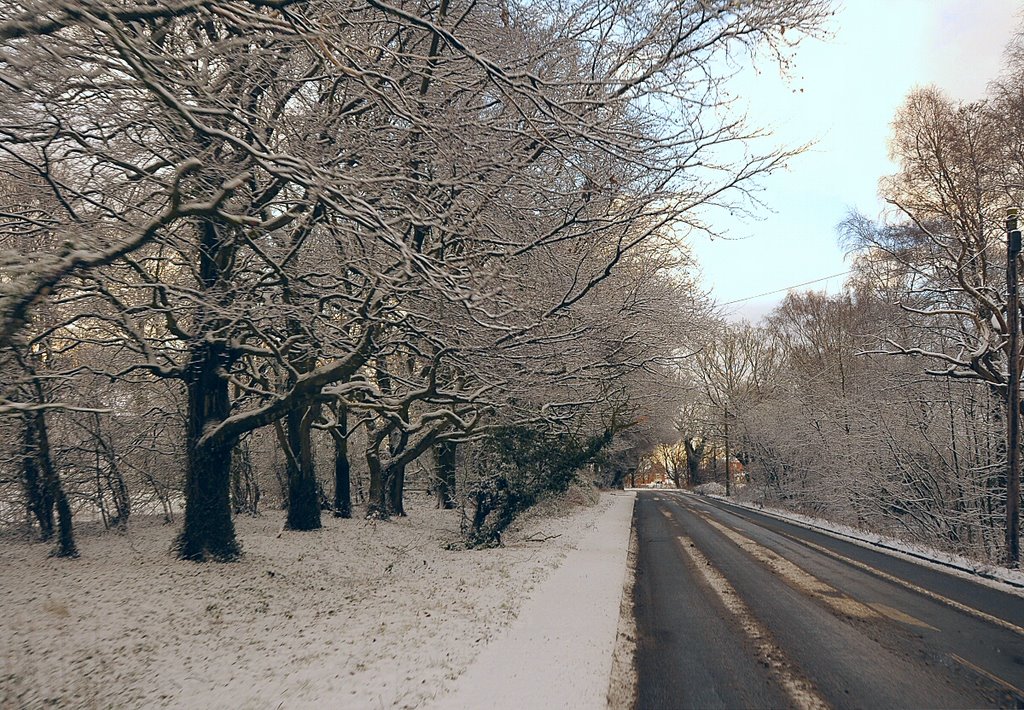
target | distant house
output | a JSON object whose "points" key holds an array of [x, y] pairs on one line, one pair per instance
{"points": [[737, 471]]}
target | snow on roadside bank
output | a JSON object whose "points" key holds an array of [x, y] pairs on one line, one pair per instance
{"points": [[1007, 580], [356, 615]]}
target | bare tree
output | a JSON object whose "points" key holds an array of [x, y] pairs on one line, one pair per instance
{"points": [[402, 212]]}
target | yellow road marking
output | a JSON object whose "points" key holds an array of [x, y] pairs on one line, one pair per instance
{"points": [[728, 594], [795, 575], [981, 671], [800, 691], [900, 616], [977, 613]]}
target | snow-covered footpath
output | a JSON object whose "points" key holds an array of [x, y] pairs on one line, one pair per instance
{"points": [[558, 653], [356, 615]]}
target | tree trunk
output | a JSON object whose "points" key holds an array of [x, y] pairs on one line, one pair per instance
{"points": [[303, 502], [51, 482], [446, 463], [119, 494], [693, 456], [396, 488], [376, 507], [114, 479], [394, 472], [47, 485], [385, 490], [66, 538], [208, 532], [342, 469], [37, 495], [281, 475]]}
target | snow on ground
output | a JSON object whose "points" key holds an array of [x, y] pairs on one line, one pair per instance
{"points": [[1007, 580], [355, 615], [710, 489]]}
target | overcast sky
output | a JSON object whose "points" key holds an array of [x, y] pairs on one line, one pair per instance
{"points": [[843, 93]]}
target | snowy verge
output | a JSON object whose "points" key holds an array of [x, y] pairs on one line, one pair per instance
{"points": [[355, 615], [1007, 580]]}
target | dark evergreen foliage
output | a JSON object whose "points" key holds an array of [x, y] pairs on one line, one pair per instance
{"points": [[532, 463]]}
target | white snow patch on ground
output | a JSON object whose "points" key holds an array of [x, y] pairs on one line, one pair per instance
{"points": [[714, 488], [1007, 580], [355, 615]]}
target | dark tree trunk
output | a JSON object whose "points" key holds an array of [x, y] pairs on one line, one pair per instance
{"points": [[342, 469], [281, 475], [381, 493], [694, 454], [303, 501], [38, 497], [376, 503], [119, 493], [387, 481], [66, 538], [395, 475], [376, 507], [303, 491], [46, 481], [114, 480], [446, 462], [51, 482], [208, 532], [394, 472], [387, 484]]}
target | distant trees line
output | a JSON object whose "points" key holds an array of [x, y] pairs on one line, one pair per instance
{"points": [[884, 406], [294, 249]]}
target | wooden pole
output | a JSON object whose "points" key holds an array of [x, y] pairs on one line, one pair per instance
{"points": [[1013, 247], [728, 483]]}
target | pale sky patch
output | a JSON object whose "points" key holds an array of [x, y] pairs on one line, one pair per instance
{"points": [[842, 94]]}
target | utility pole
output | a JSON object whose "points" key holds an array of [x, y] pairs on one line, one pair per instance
{"points": [[727, 476], [1013, 247]]}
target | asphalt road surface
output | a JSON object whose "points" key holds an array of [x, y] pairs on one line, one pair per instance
{"points": [[736, 609]]}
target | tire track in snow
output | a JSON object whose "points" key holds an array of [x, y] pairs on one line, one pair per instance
{"points": [[800, 691], [796, 576]]}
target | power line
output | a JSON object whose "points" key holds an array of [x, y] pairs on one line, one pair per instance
{"points": [[787, 288]]}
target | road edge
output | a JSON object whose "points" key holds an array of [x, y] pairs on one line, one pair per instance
{"points": [[623, 681], [978, 576]]}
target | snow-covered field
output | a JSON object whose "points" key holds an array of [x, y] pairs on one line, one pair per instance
{"points": [[356, 615]]}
